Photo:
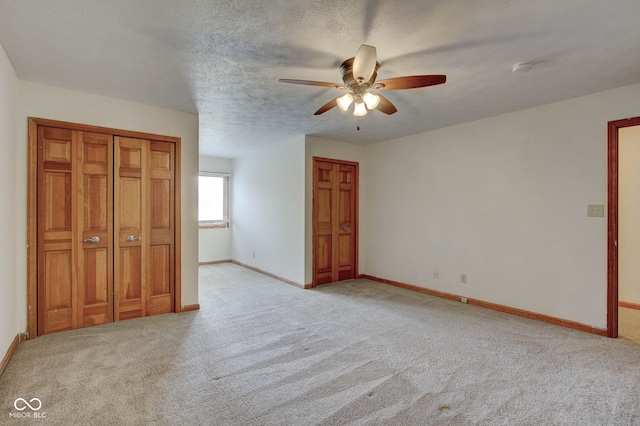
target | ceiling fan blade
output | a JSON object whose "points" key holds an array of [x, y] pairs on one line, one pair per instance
{"points": [[326, 107], [411, 82], [311, 83], [364, 63], [386, 106]]}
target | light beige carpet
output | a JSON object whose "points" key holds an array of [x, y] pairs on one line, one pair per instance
{"points": [[261, 352]]}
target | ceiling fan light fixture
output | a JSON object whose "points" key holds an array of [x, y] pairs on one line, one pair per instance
{"points": [[344, 101], [360, 109], [371, 100], [360, 87]]}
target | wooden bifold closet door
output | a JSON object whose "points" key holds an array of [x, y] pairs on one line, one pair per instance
{"points": [[105, 228], [335, 220]]}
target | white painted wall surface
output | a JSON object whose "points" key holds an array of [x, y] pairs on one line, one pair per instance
{"points": [[214, 164], [42, 101], [214, 244], [503, 200], [267, 203], [12, 243], [320, 147], [629, 214]]}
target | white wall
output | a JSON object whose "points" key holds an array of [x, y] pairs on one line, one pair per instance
{"points": [[214, 244], [503, 200], [267, 204], [319, 147], [629, 214], [13, 238], [42, 101]]}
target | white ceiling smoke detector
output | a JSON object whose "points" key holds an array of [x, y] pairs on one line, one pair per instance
{"points": [[522, 67]]}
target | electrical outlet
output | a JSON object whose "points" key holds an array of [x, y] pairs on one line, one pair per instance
{"points": [[436, 274], [463, 278], [595, 210], [463, 299], [254, 254]]}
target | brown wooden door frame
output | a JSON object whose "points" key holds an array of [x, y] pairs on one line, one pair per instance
{"points": [[356, 212], [612, 223], [32, 209]]}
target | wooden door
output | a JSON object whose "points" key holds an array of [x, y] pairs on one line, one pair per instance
{"points": [[75, 222], [335, 213], [57, 284], [131, 236], [94, 240], [145, 227], [106, 227], [161, 265]]}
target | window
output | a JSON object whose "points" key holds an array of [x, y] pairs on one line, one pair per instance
{"points": [[213, 200]]}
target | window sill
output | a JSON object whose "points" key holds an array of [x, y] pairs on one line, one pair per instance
{"points": [[202, 225]]}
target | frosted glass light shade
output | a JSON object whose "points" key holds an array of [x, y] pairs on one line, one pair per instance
{"points": [[371, 100], [344, 101], [364, 64], [360, 109]]}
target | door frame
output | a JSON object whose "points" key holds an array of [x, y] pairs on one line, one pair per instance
{"points": [[32, 209], [314, 221], [612, 222]]}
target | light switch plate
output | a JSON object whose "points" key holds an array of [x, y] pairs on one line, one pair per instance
{"points": [[595, 210]]}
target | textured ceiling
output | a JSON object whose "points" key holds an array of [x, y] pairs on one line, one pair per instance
{"points": [[223, 59]]}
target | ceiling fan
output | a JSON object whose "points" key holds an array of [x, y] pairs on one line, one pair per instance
{"points": [[359, 76]]}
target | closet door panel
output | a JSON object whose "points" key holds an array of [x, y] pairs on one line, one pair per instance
{"points": [[95, 224], [131, 236], [323, 207], [162, 228], [346, 222], [57, 282]]}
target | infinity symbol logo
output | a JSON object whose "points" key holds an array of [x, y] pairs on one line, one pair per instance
{"points": [[26, 404]]}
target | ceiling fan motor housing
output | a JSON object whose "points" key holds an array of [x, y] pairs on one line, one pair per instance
{"points": [[350, 81]]}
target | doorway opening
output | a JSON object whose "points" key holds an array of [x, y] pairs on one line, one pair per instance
{"points": [[615, 257]]}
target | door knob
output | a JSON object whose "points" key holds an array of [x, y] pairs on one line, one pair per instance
{"points": [[131, 238], [93, 240], [345, 228]]}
